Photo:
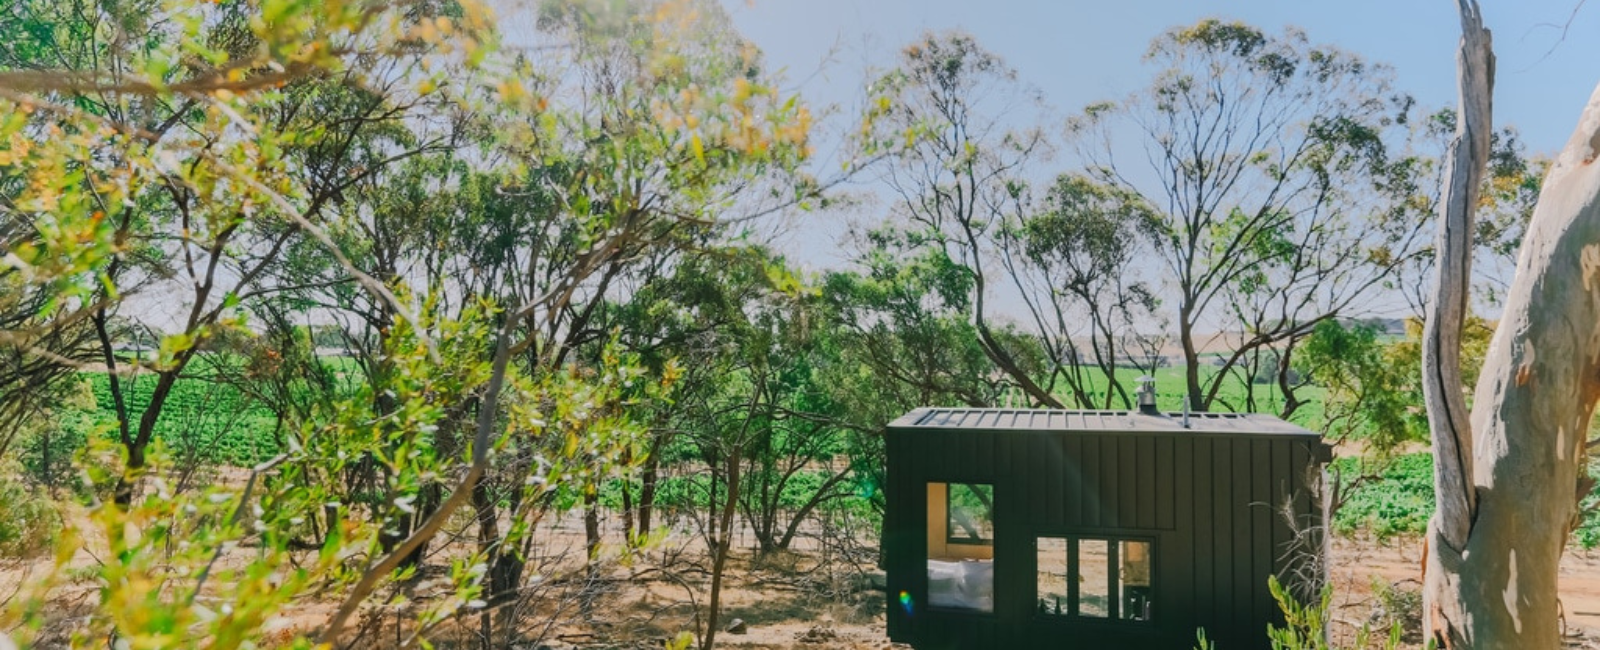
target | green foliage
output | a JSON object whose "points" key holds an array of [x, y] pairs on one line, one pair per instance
{"points": [[204, 418], [29, 521], [1587, 533], [1306, 624], [905, 317], [1290, 225], [1396, 498], [1398, 606], [48, 440], [1372, 386]]}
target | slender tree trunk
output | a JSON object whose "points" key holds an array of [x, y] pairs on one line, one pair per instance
{"points": [[725, 540], [126, 484], [1191, 362], [1291, 401], [822, 495], [647, 495], [627, 514], [1447, 601], [1506, 485], [591, 527], [1445, 596]]}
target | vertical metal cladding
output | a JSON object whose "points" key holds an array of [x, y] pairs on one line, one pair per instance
{"points": [[1209, 500]]}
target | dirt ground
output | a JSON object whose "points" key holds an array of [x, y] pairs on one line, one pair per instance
{"points": [[822, 596], [795, 602], [1358, 564]]}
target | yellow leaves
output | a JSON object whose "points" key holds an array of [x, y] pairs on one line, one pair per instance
{"points": [[512, 93], [673, 18], [427, 31], [671, 373], [476, 15], [16, 149]]}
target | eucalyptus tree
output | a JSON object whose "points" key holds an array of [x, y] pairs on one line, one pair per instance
{"points": [[961, 173], [1283, 184], [1077, 266], [657, 128], [154, 145], [904, 317], [73, 38], [189, 240], [400, 195], [1507, 481]]}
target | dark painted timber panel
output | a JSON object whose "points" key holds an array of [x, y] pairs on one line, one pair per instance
{"points": [[1212, 504], [1202, 601]]}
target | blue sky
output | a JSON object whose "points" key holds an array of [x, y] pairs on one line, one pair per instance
{"points": [[1077, 52]]}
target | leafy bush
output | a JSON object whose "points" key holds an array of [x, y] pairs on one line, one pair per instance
{"points": [[1306, 625], [1397, 498], [28, 520], [1587, 534], [1398, 606]]}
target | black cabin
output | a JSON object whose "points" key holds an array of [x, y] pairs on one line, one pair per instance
{"points": [[1095, 529]]}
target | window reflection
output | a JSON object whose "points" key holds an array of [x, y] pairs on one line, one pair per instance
{"points": [[1052, 568], [1135, 580], [1094, 578], [961, 546]]}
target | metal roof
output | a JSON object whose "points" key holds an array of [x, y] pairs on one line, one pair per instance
{"points": [[1097, 421]]}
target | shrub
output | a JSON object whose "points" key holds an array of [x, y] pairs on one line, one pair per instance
{"points": [[28, 520], [1397, 605], [1305, 625], [1396, 500]]}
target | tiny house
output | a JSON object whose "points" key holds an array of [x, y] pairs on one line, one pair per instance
{"points": [[1094, 529]]}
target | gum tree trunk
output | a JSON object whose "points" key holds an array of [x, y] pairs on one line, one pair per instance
{"points": [[1506, 483]]}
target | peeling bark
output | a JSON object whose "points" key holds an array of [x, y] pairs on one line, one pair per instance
{"points": [[1449, 429], [1495, 543]]}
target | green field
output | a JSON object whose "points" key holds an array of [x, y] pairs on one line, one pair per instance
{"points": [[216, 422], [210, 419], [1233, 396]]}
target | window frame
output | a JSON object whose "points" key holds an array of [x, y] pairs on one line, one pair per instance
{"points": [[989, 545], [1115, 587], [949, 514]]}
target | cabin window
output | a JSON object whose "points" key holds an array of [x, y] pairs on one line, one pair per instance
{"points": [[1094, 577], [970, 512], [961, 546]]}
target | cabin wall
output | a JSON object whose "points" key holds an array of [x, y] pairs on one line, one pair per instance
{"points": [[1211, 504]]}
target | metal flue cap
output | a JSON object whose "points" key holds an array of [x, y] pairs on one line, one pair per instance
{"points": [[1147, 395]]}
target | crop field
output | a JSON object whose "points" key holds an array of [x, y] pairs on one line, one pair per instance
{"points": [[211, 420], [1234, 396], [216, 422]]}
